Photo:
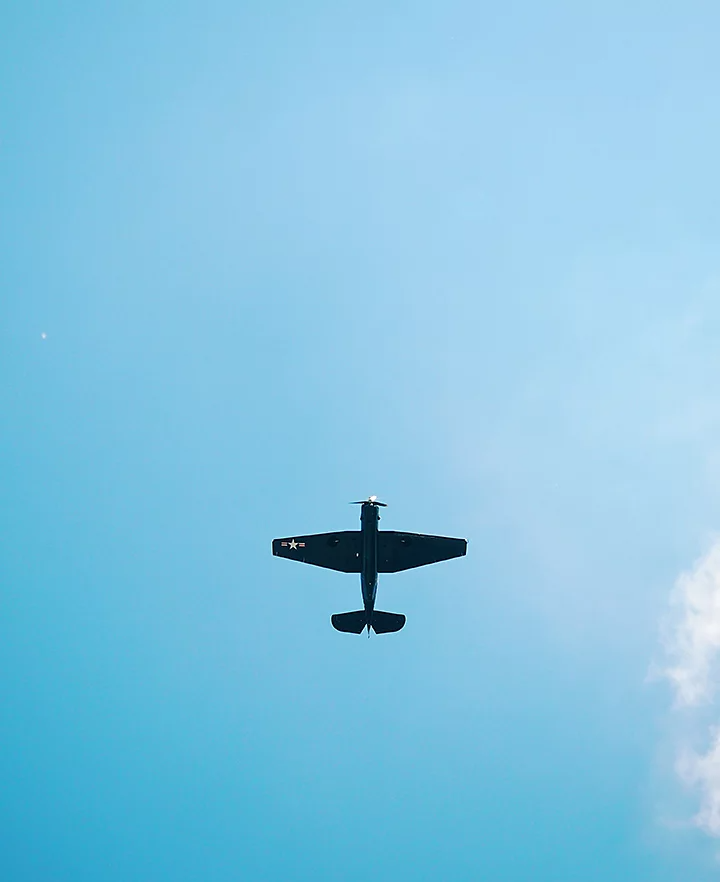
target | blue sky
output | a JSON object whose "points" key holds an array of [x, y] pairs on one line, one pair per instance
{"points": [[461, 256]]}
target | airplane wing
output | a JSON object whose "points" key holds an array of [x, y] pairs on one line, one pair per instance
{"points": [[335, 551], [403, 551]]}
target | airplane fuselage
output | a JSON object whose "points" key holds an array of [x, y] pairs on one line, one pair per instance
{"points": [[369, 517]]}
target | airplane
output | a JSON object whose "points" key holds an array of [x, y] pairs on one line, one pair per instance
{"points": [[369, 551]]}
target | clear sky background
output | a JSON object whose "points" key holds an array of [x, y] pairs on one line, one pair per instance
{"points": [[463, 256]]}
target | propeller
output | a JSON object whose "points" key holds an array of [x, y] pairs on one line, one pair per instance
{"points": [[371, 500]]}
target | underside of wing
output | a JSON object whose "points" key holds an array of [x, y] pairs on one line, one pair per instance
{"points": [[334, 551], [403, 551]]}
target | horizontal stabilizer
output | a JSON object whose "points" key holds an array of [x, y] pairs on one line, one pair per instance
{"points": [[351, 622], [387, 623]]}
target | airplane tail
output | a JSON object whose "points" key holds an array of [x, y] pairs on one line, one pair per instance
{"points": [[350, 623], [380, 622], [387, 623]]}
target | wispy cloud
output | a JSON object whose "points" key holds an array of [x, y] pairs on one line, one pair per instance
{"points": [[702, 771], [692, 643], [693, 639]]}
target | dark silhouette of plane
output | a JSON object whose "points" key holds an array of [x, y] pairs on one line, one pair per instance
{"points": [[369, 551]]}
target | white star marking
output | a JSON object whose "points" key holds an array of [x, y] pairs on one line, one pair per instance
{"points": [[293, 544]]}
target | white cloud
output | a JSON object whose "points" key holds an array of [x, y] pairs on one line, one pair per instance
{"points": [[693, 641], [693, 647], [703, 772]]}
